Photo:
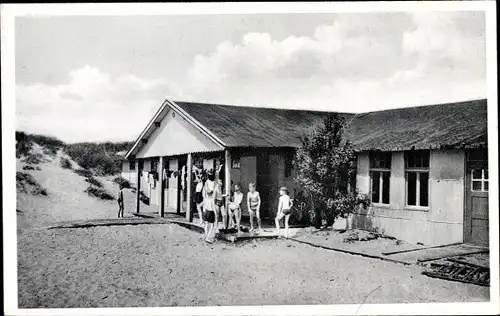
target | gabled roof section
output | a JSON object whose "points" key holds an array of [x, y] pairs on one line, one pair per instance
{"points": [[155, 122], [242, 126], [456, 125]]}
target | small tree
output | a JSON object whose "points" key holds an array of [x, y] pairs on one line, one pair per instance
{"points": [[325, 165]]}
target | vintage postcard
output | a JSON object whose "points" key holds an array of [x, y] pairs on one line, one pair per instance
{"points": [[250, 158]]}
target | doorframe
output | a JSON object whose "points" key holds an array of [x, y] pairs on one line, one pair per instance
{"points": [[467, 216]]}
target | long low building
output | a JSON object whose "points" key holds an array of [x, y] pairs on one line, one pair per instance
{"points": [[425, 168]]}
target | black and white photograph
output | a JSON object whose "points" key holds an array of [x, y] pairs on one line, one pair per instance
{"points": [[250, 158]]}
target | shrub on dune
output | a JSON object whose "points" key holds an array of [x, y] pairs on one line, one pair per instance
{"points": [[26, 183], [66, 164], [93, 181], [122, 181], [99, 193], [84, 173]]}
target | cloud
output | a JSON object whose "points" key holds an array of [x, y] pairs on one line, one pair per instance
{"points": [[359, 62], [90, 106]]}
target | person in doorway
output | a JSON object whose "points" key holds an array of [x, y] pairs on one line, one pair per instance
{"points": [[121, 206], [198, 198], [253, 205], [209, 216], [235, 208], [284, 210]]}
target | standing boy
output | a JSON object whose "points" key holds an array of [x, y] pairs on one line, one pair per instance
{"points": [[284, 210], [235, 207], [120, 202]]}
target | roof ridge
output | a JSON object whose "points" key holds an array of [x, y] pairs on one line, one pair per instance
{"points": [[261, 107], [428, 106]]}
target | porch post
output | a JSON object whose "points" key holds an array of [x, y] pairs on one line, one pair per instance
{"points": [[188, 186], [227, 175], [161, 203], [138, 185]]}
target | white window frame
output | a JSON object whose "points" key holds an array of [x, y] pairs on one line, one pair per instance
{"points": [[482, 180], [381, 185], [236, 162], [418, 171]]}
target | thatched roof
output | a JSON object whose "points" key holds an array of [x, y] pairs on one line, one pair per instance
{"points": [[462, 124], [451, 125], [433, 126], [238, 126]]}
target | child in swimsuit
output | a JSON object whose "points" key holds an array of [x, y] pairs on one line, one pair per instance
{"points": [[235, 207], [253, 204], [209, 215], [198, 198], [284, 210], [220, 202]]}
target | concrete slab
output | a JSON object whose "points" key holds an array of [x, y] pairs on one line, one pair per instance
{"points": [[107, 222], [429, 254]]}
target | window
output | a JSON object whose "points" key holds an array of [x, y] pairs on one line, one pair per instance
{"points": [[479, 178], [417, 178], [380, 174], [141, 165], [132, 164], [235, 162]]}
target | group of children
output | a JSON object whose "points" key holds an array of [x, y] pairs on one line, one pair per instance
{"points": [[210, 200], [210, 197]]}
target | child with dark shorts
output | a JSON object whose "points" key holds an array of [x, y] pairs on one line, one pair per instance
{"points": [[284, 210], [220, 201], [209, 215]]}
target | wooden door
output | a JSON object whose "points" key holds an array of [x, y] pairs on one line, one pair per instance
{"points": [[476, 228], [264, 182]]}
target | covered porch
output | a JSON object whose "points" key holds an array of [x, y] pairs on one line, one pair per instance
{"points": [[167, 181]]}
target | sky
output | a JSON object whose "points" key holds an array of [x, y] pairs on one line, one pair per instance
{"points": [[93, 78]]}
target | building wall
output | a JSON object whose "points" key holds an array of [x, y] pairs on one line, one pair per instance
{"points": [[176, 136], [128, 174], [441, 224]]}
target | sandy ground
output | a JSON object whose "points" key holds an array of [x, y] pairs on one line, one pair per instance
{"points": [[167, 265]]}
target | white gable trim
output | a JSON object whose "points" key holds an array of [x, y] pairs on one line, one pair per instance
{"points": [[197, 124], [170, 105]]}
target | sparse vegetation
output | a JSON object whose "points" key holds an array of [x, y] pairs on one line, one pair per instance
{"points": [[49, 142], [100, 157], [23, 144], [26, 183], [99, 193], [66, 164], [122, 181], [34, 159], [93, 181], [84, 173]]}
